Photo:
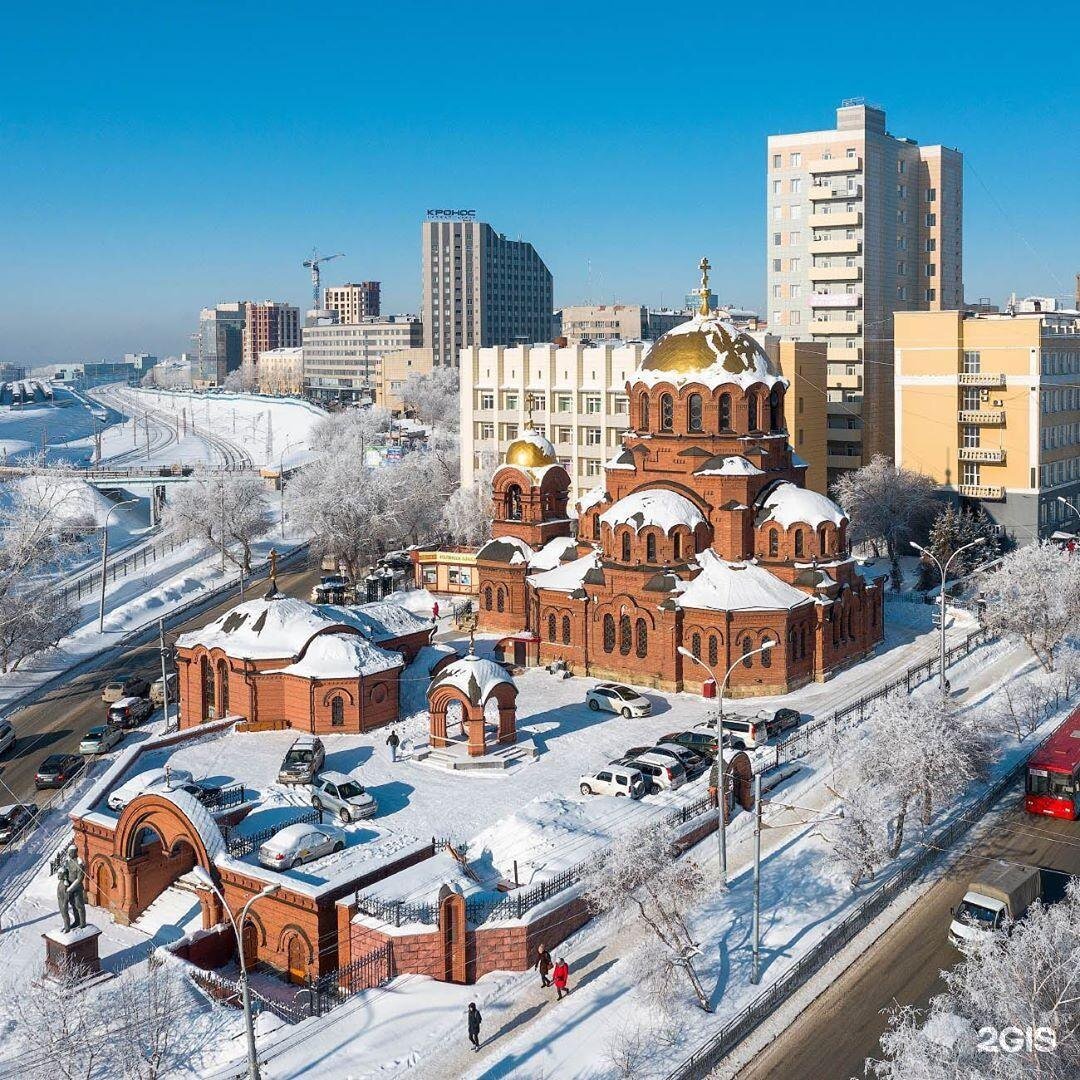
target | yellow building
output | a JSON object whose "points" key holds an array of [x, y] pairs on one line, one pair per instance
{"points": [[393, 368], [805, 365], [989, 406]]}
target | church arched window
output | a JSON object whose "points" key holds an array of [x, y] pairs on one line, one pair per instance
{"points": [[625, 644], [551, 628], [566, 629], [693, 412], [487, 597], [644, 412], [596, 527], [798, 543], [725, 412], [609, 634], [695, 645], [650, 548], [337, 712], [500, 599], [206, 677], [747, 649], [642, 638], [625, 547], [751, 412], [676, 545], [667, 412], [223, 688], [774, 543], [776, 421], [513, 503], [766, 656], [714, 650]]}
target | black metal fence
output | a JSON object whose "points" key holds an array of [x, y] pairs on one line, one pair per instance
{"points": [[223, 798], [90, 582], [239, 846]]}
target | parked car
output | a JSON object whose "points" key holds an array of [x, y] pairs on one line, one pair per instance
{"points": [[614, 780], [7, 736], [101, 739], [618, 699], [693, 761], [662, 771], [701, 742], [157, 689], [57, 769], [781, 720], [130, 712], [207, 794], [303, 761], [746, 732], [296, 844], [14, 819], [345, 796], [124, 685], [146, 781]]}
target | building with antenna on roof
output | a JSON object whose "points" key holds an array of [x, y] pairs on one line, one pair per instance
{"points": [[701, 533]]}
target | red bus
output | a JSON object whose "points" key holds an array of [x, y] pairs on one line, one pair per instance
{"points": [[1053, 773]]}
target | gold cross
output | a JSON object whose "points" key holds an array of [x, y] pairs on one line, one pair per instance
{"points": [[704, 267]]}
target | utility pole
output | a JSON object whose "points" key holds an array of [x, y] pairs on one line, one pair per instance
{"points": [[755, 976], [221, 483], [164, 672]]}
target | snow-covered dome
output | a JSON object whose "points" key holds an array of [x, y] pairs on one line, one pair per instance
{"points": [[531, 451], [735, 586], [473, 676], [656, 506], [787, 505], [342, 656], [707, 350]]}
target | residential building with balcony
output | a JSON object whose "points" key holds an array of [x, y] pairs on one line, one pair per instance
{"points": [[989, 406], [597, 323], [353, 302], [861, 225], [267, 325]]}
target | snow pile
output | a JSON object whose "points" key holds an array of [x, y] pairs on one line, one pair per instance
{"points": [[664, 509], [552, 552], [567, 576], [724, 586], [384, 619], [71, 501], [787, 505], [415, 679], [418, 601], [500, 549], [341, 656], [730, 466], [592, 497]]}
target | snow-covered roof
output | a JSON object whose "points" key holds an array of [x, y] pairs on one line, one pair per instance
{"points": [[552, 552], [788, 504], [735, 465], [473, 676], [507, 549], [567, 576], [342, 656], [716, 354], [657, 506], [381, 620], [592, 497], [724, 586], [200, 819], [624, 459]]}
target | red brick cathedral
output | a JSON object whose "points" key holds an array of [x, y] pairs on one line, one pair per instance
{"points": [[701, 535]]}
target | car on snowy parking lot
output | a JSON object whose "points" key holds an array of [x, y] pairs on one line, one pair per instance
{"points": [[301, 843], [344, 796], [613, 697], [150, 780], [614, 780], [701, 742], [663, 772], [302, 761]]}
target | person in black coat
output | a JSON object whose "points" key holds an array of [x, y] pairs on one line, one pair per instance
{"points": [[474, 1019]]}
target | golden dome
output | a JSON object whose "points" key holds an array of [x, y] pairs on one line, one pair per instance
{"points": [[531, 451], [703, 343]]}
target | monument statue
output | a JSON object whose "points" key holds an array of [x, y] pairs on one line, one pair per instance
{"points": [[70, 888]]}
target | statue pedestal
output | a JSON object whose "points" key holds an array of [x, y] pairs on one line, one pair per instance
{"points": [[77, 950]]}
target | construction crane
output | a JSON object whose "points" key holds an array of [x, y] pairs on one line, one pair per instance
{"points": [[313, 265]]}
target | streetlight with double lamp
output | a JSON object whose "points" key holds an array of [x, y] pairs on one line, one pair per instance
{"points": [[944, 571], [281, 481], [105, 557], [1072, 506], [206, 880], [721, 807]]}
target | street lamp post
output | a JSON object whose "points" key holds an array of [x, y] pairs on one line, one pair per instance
{"points": [[721, 809], [281, 481], [249, 1021], [1072, 506], [105, 557], [944, 571]]}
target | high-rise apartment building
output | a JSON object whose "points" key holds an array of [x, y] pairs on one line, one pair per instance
{"points": [[616, 322], [861, 225], [989, 406], [219, 343], [479, 288], [268, 325], [342, 361], [353, 302]]}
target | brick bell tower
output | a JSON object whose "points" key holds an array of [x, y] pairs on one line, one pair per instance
{"points": [[530, 492]]}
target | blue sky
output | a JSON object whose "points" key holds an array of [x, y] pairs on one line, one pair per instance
{"points": [[154, 163]]}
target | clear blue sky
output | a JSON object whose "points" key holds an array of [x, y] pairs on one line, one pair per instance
{"points": [[153, 163]]}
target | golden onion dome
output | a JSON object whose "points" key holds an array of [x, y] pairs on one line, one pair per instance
{"points": [[531, 451], [705, 343]]}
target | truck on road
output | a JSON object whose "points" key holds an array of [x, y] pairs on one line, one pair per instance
{"points": [[999, 895]]}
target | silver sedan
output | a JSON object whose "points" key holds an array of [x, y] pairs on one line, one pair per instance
{"points": [[297, 844]]}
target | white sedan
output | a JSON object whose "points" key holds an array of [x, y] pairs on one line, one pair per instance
{"points": [[618, 699], [302, 843]]}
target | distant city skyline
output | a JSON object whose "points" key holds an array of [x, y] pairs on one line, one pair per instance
{"points": [[152, 168]]}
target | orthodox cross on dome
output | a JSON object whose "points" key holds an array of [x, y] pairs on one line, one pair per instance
{"points": [[704, 267]]}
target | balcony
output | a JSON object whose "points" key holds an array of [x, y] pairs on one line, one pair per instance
{"points": [[993, 379], [835, 273], [828, 166], [835, 247], [843, 408], [841, 219], [844, 434], [991, 455], [981, 416], [842, 352], [988, 492], [846, 382], [843, 461], [821, 192], [845, 327], [835, 300]]}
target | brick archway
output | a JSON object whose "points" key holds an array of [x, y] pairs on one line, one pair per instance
{"points": [[442, 696]]}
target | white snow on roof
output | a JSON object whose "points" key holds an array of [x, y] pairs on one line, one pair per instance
{"points": [[567, 576], [592, 497], [524, 552], [474, 676], [552, 552], [200, 819], [381, 619], [615, 463], [787, 504], [735, 465], [534, 438], [664, 509], [341, 656], [724, 586]]}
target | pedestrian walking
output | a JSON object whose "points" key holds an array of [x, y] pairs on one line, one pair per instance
{"points": [[393, 742], [560, 977], [435, 611], [474, 1025], [543, 964]]}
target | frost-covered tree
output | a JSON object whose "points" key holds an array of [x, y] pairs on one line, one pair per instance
{"points": [[234, 381], [952, 530], [1034, 596], [433, 398], [211, 507], [886, 505], [1026, 980], [467, 516], [641, 875], [350, 433]]}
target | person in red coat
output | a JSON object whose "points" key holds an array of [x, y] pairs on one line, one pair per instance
{"points": [[560, 976], [435, 611]]}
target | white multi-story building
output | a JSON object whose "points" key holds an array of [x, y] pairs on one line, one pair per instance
{"points": [[596, 323], [575, 395]]}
